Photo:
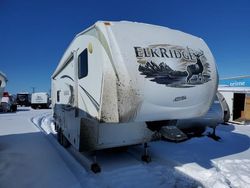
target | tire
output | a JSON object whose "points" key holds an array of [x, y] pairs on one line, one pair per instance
{"points": [[146, 158], [95, 168], [59, 135], [13, 108], [65, 142], [62, 139]]}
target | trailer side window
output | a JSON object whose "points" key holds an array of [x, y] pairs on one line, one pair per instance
{"points": [[58, 96], [83, 64]]}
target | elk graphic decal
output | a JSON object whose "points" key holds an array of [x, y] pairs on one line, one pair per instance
{"points": [[190, 67]]}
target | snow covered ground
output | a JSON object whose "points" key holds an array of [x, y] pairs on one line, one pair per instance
{"points": [[31, 157]]}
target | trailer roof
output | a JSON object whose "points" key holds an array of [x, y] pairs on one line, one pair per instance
{"points": [[101, 27], [62, 64], [3, 75]]}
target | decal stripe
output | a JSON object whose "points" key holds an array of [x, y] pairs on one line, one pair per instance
{"points": [[94, 102], [67, 76]]}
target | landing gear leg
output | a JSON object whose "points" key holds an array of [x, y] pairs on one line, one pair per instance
{"points": [[62, 139], [95, 167], [65, 142], [213, 134], [145, 157]]}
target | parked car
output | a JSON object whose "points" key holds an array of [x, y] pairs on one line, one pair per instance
{"points": [[8, 103]]}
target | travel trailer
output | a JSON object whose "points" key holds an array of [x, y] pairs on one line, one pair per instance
{"points": [[3, 81], [40, 100], [23, 99], [118, 83]]}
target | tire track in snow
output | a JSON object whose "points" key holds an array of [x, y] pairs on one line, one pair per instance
{"points": [[159, 173], [75, 167]]}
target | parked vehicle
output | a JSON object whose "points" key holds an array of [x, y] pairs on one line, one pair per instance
{"points": [[112, 87], [8, 103], [23, 99], [40, 100]]}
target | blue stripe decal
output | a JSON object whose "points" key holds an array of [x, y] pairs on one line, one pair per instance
{"points": [[67, 76], [94, 102]]}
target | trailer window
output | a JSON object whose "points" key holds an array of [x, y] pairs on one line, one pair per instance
{"points": [[83, 64], [58, 96]]}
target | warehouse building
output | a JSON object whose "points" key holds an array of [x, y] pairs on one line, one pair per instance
{"points": [[236, 91]]}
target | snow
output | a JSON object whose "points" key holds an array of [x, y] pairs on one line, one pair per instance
{"points": [[27, 159], [30, 156]]}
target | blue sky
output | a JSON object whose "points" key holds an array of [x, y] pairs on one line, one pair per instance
{"points": [[35, 33]]}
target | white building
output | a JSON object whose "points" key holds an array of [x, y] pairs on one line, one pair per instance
{"points": [[236, 91], [3, 81]]}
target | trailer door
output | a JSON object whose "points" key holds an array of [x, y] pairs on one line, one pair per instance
{"points": [[89, 76]]}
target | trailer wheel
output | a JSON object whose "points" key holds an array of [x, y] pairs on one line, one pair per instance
{"points": [[146, 158], [13, 108], [33, 106], [65, 142], [59, 135], [62, 139], [95, 168]]}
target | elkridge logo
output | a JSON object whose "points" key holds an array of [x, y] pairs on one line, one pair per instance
{"points": [[173, 66], [165, 51]]}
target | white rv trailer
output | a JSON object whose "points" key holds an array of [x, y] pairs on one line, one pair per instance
{"points": [[40, 100], [3, 81], [115, 77]]}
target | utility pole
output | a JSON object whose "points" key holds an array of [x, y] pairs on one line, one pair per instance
{"points": [[33, 89]]}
